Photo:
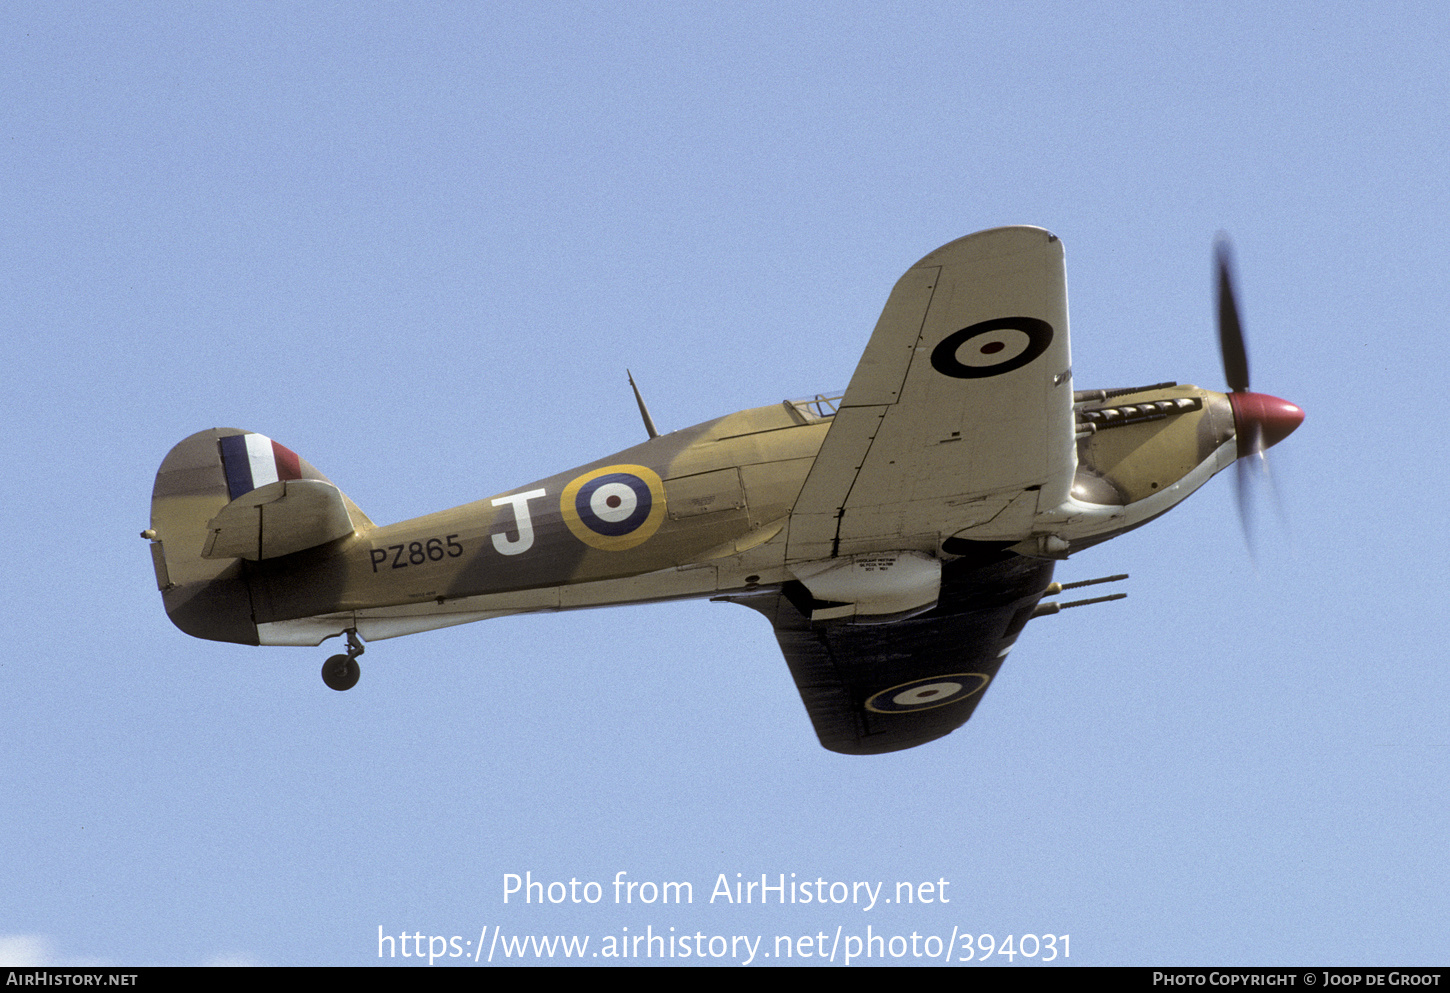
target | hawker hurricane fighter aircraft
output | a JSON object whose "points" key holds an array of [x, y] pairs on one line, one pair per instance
{"points": [[898, 537]]}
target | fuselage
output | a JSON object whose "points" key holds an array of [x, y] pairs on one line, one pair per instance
{"points": [[698, 512], [682, 515]]}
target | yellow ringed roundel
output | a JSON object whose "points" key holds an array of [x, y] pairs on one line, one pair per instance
{"points": [[614, 508]]}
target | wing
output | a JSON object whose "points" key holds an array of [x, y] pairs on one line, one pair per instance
{"points": [[958, 420], [872, 688]]}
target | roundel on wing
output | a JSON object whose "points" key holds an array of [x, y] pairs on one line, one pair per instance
{"points": [[927, 693], [614, 508], [991, 348]]}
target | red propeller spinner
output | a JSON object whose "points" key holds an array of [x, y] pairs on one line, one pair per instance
{"points": [[1262, 421]]}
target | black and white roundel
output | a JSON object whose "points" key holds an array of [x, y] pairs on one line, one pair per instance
{"points": [[614, 508], [927, 693], [991, 348]]}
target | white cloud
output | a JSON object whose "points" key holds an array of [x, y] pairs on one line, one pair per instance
{"points": [[36, 950], [25, 949]]}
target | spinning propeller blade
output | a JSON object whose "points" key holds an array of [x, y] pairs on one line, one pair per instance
{"points": [[1260, 421], [1230, 329]]}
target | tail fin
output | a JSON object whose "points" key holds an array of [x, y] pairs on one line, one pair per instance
{"points": [[223, 496]]}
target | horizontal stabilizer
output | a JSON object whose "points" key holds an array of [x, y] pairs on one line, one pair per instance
{"points": [[278, 519]]}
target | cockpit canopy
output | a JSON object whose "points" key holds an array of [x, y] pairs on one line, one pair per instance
{"points": [[816, 408]]}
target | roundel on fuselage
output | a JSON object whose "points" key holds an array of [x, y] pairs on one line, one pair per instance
{"points": [[614, 508], [991, 348]]}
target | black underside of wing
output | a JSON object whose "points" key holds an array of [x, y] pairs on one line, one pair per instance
{"points": [[872, 688]]}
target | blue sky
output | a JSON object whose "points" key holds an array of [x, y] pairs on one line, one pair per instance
{"points": [[420, 249]]}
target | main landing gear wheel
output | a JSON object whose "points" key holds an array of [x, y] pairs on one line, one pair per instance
{"points": [[341, 672]]}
